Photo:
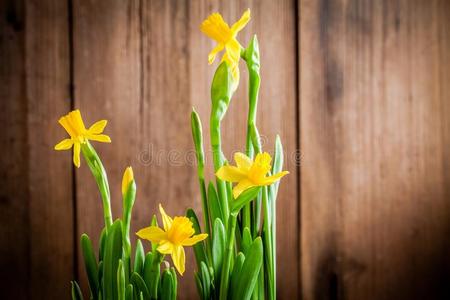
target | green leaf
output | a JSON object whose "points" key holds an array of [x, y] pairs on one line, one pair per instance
{"points": [[139, 258], [277, 167], [139, 285], [206, 281], [246, 240], [90, 264], [218, 247], [129, 292], [102, 243], [175, 281], [152, 272], [154, 223], [113, 252], [235, 275], [214, 204], [100, 275], [198, 284], [199, 248], [120, 281], [76, 291], [167, 286], [250, 270], [244, 198]]}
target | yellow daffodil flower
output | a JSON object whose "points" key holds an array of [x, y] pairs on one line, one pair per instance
{"points": [[248, 173], [127, 178], [73, 124], [217, 29], [178, 232]]}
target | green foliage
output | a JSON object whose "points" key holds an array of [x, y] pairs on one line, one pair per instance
{"points": [[112, 276], [238, 261]]}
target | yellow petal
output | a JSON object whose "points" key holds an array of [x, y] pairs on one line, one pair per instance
{"points": [[65, 144], [76, 154], [179, 258], [77, 121], [167, 221], [233, 49], [165, 247], [194, 240], [271, 179], [241, 23], [242, 161], [153, 234], [242, 186], [99, 138], [230, 173], [65, 123], [213, 53], [216, 28], [98, 127], [127, 179]]}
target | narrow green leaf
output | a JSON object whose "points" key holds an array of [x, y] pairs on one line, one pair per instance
{"points": [[218, 247], [139, 258], [167, 285], [113, 252], [129, 292], [244, 198], [214, 204], [175, 281], [246, 240], [139, 285], [76, 291], [235, 275], [206, 281], [102, 243], [198, 284], [250, 270], [152, 272], [90, 264], [120, 281], [199, 248]]}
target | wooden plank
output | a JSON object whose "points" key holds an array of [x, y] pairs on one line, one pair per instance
{"points": [[50, 174], [375, 139], [13, 167], [37, 191], [107, 86]]}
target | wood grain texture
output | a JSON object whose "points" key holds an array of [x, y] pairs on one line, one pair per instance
{"points": [[36, 192], [375, 137], [50, 173]]}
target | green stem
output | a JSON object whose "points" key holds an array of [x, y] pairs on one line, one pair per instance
{"points": [[218, 159], [268, 245], [225, 276], [101, 178]]}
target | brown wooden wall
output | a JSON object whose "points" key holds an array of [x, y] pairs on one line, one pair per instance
{"points": [[359, 91]]}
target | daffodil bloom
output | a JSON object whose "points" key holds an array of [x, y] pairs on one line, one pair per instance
{"points": [[73, 124], [127, 178], [178, 232], [248, 173], [225, 36]]}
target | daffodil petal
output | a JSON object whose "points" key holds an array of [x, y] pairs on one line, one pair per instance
{"points": [[242, 186], [153, 234], [230, 173], [233, 49], [236, 27], [76, 154], [99, 138], [65, 123], [242, 161], [216, 28], [98, 127], [65, 144], [271, 179], [165, 247], [194, 240], [179, 258], [213, 53], [167, 221], [77, 121]]}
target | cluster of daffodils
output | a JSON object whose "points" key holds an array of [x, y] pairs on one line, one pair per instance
{"points": [[114, 273], [235, 247]]}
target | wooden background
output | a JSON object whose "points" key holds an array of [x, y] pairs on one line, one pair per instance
{"points": [[359, 91]]}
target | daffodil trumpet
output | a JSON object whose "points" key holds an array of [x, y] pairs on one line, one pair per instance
{"points": [[240, 209]]}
